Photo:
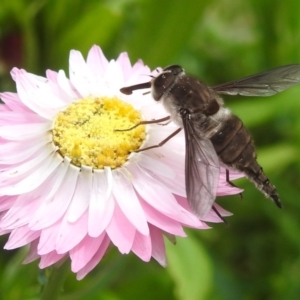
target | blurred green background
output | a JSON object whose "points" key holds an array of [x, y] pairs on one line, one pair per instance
{"points": [[258, 255]]}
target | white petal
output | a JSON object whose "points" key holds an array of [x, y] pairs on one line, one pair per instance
{"points": [[97, 62], [37, 94], [79, 74], [124, 62], [82, 194], [51, 210], [155, 166], [101, 204], [154, 193], [15, 152], [24, 131], [114, 75], [20, 184], [65, 84], [58, 178]]}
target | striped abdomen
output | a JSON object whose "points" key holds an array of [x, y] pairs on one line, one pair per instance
{"points": [[234, 147]]}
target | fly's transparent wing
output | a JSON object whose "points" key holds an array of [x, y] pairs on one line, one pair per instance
{"points": [[262, 84], [201, 170]]}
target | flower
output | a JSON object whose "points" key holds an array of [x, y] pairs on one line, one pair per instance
{"points": [[70, 184]]}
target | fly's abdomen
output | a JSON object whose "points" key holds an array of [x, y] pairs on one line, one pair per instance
{"points": [[225, 139], [234, 147]]}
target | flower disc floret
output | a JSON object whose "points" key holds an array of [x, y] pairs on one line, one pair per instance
{"points": [[86, 132]]}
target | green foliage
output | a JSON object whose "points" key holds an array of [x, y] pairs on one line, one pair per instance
{"points": [[257, 256], [190, 267]]}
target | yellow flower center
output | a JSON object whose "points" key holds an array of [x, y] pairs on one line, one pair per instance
{"points": [[85, 132]]}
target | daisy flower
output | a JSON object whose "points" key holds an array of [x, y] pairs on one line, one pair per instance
{"points": [[70, 185]]}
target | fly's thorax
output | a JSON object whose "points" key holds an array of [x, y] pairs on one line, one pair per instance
{"points": [[190, 93]]}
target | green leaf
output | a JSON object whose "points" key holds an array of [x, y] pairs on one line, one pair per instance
{"points": [[98, 25], [164, 29], [277, 157], [191, 269]]}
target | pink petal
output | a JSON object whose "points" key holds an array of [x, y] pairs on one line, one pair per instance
{"points": [[50, 259], [158, 246], [13, 117], [66, 239], [20, 237], [48, 237], [228, 190], [20, 212], [129, 203], [32, 253], [161, 221], [6, 202], [121, 231], [51, 75], [142, 246], [13, 101], [84, 251], [95, 260]]}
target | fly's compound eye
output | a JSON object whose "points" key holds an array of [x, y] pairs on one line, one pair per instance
{"points": [[163, 82]]}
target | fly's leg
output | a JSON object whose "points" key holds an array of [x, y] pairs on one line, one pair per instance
{"points": [[232, 184], [219, 215], [145, 123], [164, 124], [162, 142], [168, 118]]}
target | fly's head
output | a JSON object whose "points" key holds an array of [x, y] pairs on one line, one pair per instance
{"points": [[165, 81], [160, 85]]}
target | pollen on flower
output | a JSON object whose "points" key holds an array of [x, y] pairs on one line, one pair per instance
{"points": [[76, 151], [85, 132]]}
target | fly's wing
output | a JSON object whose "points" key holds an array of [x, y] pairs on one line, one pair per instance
{"points": [[201, 170], [262, 84]]}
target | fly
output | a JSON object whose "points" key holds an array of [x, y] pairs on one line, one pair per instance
{"points": [[213, 135]]}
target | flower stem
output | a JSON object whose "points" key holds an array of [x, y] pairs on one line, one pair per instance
{"points": [[54, 285]]}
